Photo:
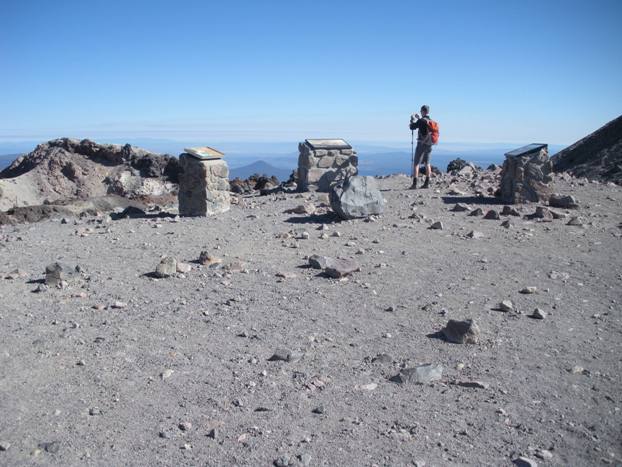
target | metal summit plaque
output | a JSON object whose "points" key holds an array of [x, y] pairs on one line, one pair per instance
{"points": [[328, 144], [204, 153], [523, 151]]}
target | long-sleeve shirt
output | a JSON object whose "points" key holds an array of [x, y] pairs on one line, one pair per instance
{"points": [[422, 125]]}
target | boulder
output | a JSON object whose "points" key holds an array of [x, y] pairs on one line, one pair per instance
{"points": [[422, 374], [319, 262], [356, 197], [492, 215], [341, 267], [166, 268], [56, 273], [563, 201], [461, 332]]}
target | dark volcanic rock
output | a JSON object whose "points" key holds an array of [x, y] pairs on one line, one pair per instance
{"points": [[597, 156], [457, 165], [461, 332]]}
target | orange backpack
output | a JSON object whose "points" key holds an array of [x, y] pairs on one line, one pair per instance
{"points": [[433, 127]]}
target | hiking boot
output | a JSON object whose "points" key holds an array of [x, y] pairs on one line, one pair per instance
{"points": [[414, 185], [426, 184]]}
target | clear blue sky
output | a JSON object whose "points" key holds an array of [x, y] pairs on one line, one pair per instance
{"points": [[492, 71]]}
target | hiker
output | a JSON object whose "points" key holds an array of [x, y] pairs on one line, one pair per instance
{"points": [[426, 137]]}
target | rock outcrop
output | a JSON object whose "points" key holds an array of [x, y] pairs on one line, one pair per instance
{"points": [[598, 156], [70, 169]]}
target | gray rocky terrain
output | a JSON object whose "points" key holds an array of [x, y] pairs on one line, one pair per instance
{"points": [[251, 357]]}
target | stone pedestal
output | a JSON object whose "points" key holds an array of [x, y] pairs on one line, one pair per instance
{"points": [[203, 186], [324, 162], [526, 175]]}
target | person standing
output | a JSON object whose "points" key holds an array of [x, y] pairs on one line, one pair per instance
{"points": [[427, 135]]}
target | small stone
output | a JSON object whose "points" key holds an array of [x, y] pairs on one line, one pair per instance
{"points": [[577, 370], [286, 275], [284, 461], [421, 374], [460, 207], [185, 426], [307, 208], [538, 314], [461, 332], [382, 358], [341, 267], [166, 373], [4, 445], [544, 454], [41, 288], [183, 268], [368, 387], [509, 211], [56, 273], [506, 306], [524, 462], [576, 221], [186, 447], [164, 435], [563, 201], [213, 433], [507, 224], [52, 447], [208, 260], [119, 305], [95, 411], [16, 274], [285, 355], [305, 459], [492, 214], [476, 212], [529, 290], [318, 262], [166, 268], [81, 363], [475, 234], [473, 384], [438, 225]]}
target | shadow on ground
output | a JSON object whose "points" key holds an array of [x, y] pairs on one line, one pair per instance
{"points": [[487, 201]]}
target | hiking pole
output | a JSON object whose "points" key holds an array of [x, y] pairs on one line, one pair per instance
{"points": [[412, 153]]}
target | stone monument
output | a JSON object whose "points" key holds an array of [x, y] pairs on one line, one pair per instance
{"points": [[526, 175], [203, 183], [323, 162]]}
